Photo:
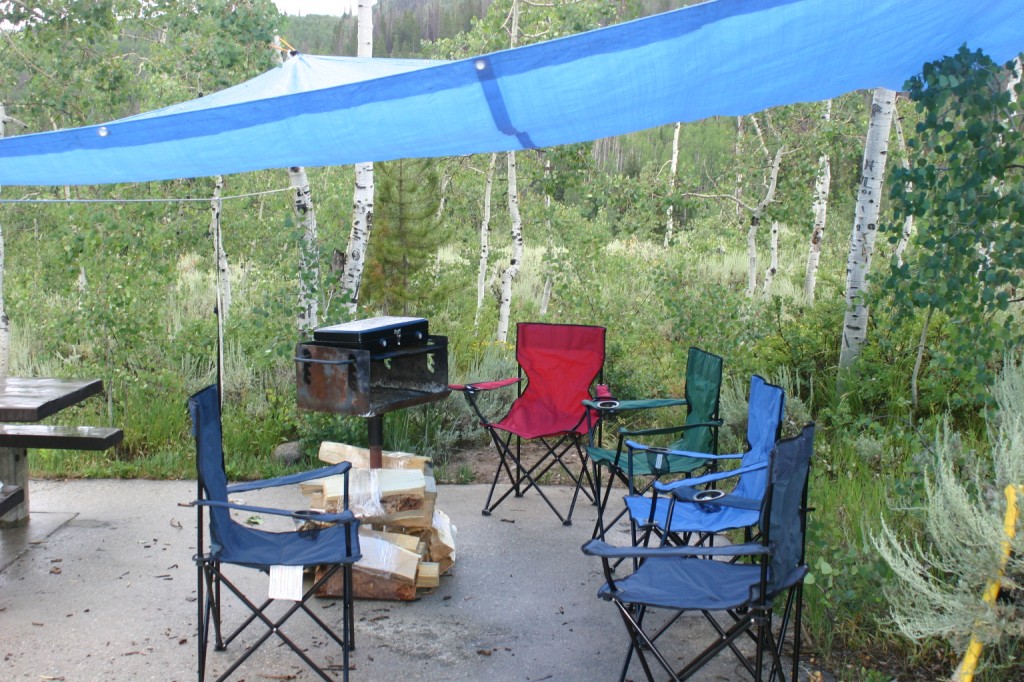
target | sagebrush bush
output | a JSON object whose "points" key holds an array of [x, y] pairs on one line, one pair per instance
{"points": [[941, 571]]}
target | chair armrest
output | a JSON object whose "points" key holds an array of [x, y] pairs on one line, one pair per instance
{"points": [[484, 385], [687, 493], [332, 517], [333, 470], [707, 478], [602, 549], [670, 429], [633, 445], [600, 404]]}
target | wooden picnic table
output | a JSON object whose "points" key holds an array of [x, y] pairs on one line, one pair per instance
{"points": [[27, 400]]}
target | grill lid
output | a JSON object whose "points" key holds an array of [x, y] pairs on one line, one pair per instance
{"points": [[375, 333]]}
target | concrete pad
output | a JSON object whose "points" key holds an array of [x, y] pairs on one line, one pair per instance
{"points": [[15, 541], [111, 595]]}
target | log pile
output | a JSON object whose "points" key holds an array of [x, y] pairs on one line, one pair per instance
{"points": [[406, 542]]}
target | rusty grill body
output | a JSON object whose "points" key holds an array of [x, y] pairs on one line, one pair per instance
{"points": [[369, 367]]}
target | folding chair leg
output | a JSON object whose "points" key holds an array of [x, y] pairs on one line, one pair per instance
{"points": [[641, 642], [274, 627]]}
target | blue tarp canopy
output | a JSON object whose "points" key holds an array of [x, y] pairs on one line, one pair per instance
{"points": [[725, 57]]}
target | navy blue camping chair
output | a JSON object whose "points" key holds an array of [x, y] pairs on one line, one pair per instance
{"points": [[673, 580], [335, 544], [678, 522]]}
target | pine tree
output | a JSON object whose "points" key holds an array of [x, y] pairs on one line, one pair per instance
{"points": [[407, 235]]}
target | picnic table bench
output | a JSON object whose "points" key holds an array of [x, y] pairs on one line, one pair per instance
{"points": [[30, 400]]}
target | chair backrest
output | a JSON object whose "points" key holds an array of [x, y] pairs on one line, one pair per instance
{"points": [[765, 409], [783, 516], [204, 409], [703, 394], [560, 362]]}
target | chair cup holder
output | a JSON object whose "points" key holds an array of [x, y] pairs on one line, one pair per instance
{"points": [[704, 500], [607, 404], [307, 521]]}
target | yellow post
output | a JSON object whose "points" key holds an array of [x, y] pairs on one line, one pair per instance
{"points": [[965, 673]]}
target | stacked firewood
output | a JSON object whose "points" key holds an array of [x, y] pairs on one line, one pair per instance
{"points": [[407, 544]]}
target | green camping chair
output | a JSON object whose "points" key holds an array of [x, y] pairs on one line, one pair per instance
{"points": [[698, 433]]}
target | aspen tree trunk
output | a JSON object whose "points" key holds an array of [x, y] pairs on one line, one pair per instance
{"points": [[819, 207], [773, 266], [752, 228], [223, 287], [738, 192], [865, 225], [509, 274], [223, 269], [673, 167], [908, 222], [545, 296], [309, 250], [362, 198], [758, 211], [309, 246], [5, 323], [485, 237], [755, 222]]}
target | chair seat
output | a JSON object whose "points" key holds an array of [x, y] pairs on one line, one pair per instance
{"points": [[642, 465], [688, 517], [258, 548], [688, 583]]}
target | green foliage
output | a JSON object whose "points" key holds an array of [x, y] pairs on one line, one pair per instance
{"points": [[965, 193]]}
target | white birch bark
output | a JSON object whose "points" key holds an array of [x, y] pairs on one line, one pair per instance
{"points": [[5, 323], [673, 167], [485, 239], [865, 225], [819, 207], [773, 265], [509, 274], [362, 198], [309, 250]]}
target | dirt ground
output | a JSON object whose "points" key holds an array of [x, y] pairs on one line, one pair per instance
{"points": [[478, 465]]}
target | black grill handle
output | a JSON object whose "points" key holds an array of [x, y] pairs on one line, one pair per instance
{"points": [[315, 361]]}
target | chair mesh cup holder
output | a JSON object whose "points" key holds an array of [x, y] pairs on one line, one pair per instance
{"points": [[659, 461], [704, 500], [307, 521]]}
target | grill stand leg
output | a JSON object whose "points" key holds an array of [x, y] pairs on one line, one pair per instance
{"points": [[375, 440]]}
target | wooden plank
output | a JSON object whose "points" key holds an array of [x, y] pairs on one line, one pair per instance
{"points": [[53, 437], [14, 471], [366, 586], [10, 497], [429, 575], [31, 399], [332, 453]]}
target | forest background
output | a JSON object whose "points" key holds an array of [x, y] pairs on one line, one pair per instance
{"points": [[730, 234]]}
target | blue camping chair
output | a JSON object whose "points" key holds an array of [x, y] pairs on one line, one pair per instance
{"points": [[697, 433], [335, 544], [677, 522], [675, 580]]}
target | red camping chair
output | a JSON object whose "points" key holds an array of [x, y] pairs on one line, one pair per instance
{"points": [[560, 362]]}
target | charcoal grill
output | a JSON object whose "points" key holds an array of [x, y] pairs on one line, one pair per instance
{"points": [[369, 367]]}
